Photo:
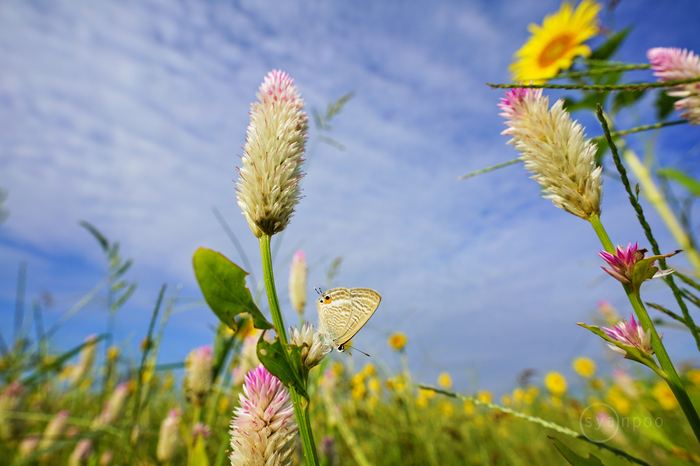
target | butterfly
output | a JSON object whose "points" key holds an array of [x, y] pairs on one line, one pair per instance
{"points": [[343, 312]]}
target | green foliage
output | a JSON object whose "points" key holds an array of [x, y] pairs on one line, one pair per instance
{"points": [[574, 459], [285, 365], [223, 286], [608, 49]]}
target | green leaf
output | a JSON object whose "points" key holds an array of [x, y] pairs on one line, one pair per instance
{"points": [[625, 98], [572, 458], [608, 48], [96, 233], [223, 286], [665, 104], [198, 456], [285, 365], [124, 297], [688, 182]]}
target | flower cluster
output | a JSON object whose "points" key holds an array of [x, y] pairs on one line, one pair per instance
{"points": [[313, 350], [199, 372], [268, 188], [263, 430], [673, 64], [631, 268], [554, 149]]}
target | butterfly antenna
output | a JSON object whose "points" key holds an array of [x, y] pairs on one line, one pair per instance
{"points": [[319, 291], [353, 348]]}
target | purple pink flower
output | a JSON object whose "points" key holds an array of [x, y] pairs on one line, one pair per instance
{"points": [[674, 64], [630, 334]]}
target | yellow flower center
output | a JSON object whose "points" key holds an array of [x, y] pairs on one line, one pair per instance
{"points": [[554, 50]]}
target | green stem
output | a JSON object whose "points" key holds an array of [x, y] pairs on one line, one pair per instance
{"points": [[671, 376], [665, 361], [301, 405]]}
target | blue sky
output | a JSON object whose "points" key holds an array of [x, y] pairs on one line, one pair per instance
{"points": [[130, 115]]}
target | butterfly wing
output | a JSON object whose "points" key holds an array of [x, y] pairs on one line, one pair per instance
{"points": [[334, 316], [363, 303]]}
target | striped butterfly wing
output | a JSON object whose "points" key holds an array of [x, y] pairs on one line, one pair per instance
{"points": [[347, 312]]}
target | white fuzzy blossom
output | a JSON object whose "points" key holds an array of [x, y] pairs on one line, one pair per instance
{"points": [[268, 188], [313, 349], [554, 150]]}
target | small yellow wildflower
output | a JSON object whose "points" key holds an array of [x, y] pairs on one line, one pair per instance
{"points": [[374, 385], [397, 341], [617, 399], [223, 404], [518, 395], [555, 383], [468, 407], [358, 378], [396, 384], [445, 381], [694, 376], [337, 368], [484, 396], [421, 400], [446, 408], [429, 394], [369, 370], [556, 401], [358, 391], [597, 384], [506, 400], [531, 394], [664, 395], [372, 401], [584, 367], [113, 353], [553, 46]]}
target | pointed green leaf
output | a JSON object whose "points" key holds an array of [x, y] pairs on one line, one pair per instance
{"points": [[223, 286], [625, 98], [665, 104], [96, 233], [286, 366], [688, 182], [606, 50], [572, 458]]}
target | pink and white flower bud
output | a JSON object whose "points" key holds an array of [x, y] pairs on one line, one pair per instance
{"points": [[673, 64], [53, 431], [113, 406], [198, 368], [313, 350], [87, 358], [169, 436], [554, 150], [10, 398], [297, 282], [268, 187], [81, 453], [263, 430]]}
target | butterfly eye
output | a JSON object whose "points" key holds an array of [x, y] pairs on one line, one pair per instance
{"points": [[327, 299]]}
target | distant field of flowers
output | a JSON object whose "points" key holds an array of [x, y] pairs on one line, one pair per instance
{"points": [[266, 393]]}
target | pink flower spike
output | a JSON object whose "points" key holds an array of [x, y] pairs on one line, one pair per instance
{"points": [[630, 334], [622, 262], [263, 430], [672, 64]]}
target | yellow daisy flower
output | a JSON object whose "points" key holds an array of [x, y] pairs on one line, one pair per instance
{"points": [[555, 383], [398, 341], [553, 46], [584, 367], [445, 381]]}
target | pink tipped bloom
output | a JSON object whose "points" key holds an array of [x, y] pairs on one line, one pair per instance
{"points": [[622, 262], [631, 268], [297, 281], [199, 372], [554, 149], [113, 407], [673, 64], [81, 453], [263, 430], [630, 334], [169, 436], [268, 188]]}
